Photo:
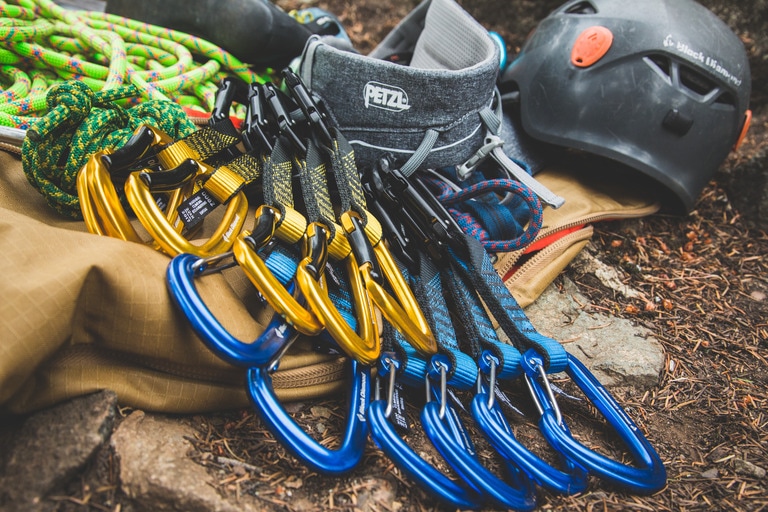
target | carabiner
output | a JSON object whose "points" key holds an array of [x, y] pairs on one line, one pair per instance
{"points": [[364, 347], [491, 419], [245, 250], [442, 425], [166, 233], [648, 478], [267, 348], [301, 444], [403, 310], [100, 204], [407, 460]]}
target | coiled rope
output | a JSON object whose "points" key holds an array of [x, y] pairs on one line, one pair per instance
{"points": [[81, 122], [66, 76], [42, 44]]}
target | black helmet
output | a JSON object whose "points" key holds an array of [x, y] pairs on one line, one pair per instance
{"points": [[660, 85]]}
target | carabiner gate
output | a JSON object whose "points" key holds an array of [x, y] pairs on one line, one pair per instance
{"points": [[365, 346], [648, 478], [491, 419]]}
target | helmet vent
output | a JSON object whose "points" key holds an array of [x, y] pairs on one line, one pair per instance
{"points": [[726, 99], [581, 8], [695, 81], [661, 64]]}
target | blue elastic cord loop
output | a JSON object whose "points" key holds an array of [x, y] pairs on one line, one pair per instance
{"points": [[648, 478], [389, 441], [180, 276], [496, 428], [301, 444], [519, 497]]}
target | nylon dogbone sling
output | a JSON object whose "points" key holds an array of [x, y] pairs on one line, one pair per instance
{"points": [[451, 368]]}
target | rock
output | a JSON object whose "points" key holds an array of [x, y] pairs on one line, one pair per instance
{"points": [[156, 472], [376, 494], [746, 468], [616, 351], [51, 447], [586, 263], [710, 474]]}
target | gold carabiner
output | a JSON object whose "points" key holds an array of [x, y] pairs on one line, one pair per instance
{"points": [[364, 347], [267, 221], [402, 310], [166, 233], [100, 204]]}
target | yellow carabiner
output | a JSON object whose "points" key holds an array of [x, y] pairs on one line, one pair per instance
{"points": [[99, 202], [166, 234], [102, 210], [403, 310], [364, 347], [267, 220]]}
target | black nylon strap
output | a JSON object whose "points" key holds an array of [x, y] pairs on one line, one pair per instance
{"points": [[475, 266]]}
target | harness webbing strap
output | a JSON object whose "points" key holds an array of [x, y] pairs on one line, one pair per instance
{"points": [[492, 120], [421, 153]]}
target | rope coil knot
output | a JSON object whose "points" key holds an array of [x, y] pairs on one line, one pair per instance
{"points": [[81, 122]]}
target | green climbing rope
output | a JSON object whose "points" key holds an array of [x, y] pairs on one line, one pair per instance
{"points": [[81, 122], [83, 81], [43, 44]]}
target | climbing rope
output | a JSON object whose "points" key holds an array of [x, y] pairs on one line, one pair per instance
{"points": [[81, 122], [44, 44]]}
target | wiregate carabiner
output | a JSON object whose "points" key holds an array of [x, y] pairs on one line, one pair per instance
{"points": [[648, 478], [269, 223], [389, 441], [491, 419], [267, 348], [442, 426], [301, 444], [310, 276]]}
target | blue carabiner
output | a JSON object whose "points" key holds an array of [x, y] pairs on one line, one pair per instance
{"points": [[491, 419], [265, 349], [649, 477], [301, 444], [442, 426], [389, 441]]}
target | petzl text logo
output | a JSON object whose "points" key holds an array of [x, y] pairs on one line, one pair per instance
{"points": [[387, 97]]}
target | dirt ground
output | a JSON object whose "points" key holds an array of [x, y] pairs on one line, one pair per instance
{"points": [[706, 280]]}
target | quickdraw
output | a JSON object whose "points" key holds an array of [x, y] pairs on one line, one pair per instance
{"points": [[326, 270], [470, 269]]}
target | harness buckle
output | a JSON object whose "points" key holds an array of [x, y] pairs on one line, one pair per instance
{"points": [[491, 142]]}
